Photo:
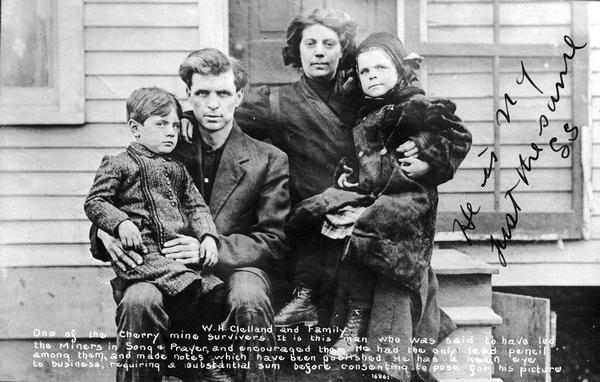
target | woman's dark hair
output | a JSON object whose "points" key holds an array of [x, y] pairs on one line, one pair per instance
{"points": [[338, 21]]}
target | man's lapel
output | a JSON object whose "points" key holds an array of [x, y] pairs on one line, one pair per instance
{"points": [[230, 171]]}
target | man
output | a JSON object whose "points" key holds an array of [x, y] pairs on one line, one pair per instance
{"points": [[245, 183]]}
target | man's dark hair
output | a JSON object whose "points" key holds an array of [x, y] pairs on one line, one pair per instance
{"points": [[212, 61]]}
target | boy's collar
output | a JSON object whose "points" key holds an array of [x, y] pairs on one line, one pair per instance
{"points": [[143, 150]]}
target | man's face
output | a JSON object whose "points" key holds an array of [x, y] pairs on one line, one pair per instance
{"points": [[320, 52], [214, 99], [158, 133]]}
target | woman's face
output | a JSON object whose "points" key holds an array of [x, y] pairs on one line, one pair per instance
{"points": [[377, 72], [320, 52]]}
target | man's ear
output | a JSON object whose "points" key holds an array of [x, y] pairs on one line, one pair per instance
{"points": [[239, 97], [134, 127]]}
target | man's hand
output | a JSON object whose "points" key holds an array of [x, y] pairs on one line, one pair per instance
{"points": [[130, 235], [408, 149], [209, 251], [187, 130], [121, 258], [185, 249], [413, 167]]}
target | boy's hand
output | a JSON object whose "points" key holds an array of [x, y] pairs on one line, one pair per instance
{"points": [[342, 181], [209, 251], [187, 130], [408, 149], [414, 167], [118, 255], [130, 235]]}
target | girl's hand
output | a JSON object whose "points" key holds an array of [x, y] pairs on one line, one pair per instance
{"points": [[408, 149], [414, 167], [342, 181]]}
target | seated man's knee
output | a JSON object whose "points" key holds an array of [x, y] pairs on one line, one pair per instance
{"points": [[249, 298], [140, 297]]}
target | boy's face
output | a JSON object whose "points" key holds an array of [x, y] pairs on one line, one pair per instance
{"points": [[377, 72], [214, 100], [158, 133]]}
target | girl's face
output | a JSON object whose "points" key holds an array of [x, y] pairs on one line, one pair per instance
{"points": [[320, 52], [377, 72]]}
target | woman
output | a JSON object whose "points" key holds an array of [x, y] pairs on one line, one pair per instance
{"points": [[311, 120]]}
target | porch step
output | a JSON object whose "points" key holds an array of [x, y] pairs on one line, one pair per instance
{"points": [[463, 280], [453, 262], [466, 353], [457, 290], [473, 316]]}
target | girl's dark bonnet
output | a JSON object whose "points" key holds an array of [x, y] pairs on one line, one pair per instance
{"points": [[406, 64]]}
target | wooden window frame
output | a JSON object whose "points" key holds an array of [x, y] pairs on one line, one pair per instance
{"points": [[64, 102], [531, 225]]}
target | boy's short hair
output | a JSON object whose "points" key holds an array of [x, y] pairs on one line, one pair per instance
{"points": [[146, 102], [210, 61]]}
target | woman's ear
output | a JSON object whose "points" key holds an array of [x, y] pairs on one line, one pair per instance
{"points": [[134, 127]]}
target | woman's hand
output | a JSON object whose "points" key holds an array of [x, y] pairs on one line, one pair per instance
{"points": [[408, 149], [209, 250], [342, 181], [414, 167], [119, 256], [187, 130], [185, 249]]}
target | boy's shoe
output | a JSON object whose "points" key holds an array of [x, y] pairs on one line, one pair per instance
{"points": [[300, 310], [346, 347]]}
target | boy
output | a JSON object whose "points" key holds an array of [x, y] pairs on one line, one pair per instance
{"points": [[146, 198]]}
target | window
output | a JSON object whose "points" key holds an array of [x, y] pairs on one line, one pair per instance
{"points": [[41, 66], [473, 53]]}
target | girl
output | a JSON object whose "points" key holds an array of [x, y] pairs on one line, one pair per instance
{"points": [[392, 237]]}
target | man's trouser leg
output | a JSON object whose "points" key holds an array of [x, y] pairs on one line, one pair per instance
{"points": [[249, 303], [141, 312]]}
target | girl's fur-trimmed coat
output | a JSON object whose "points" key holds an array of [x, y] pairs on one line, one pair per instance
{"points": [[394, 235]]}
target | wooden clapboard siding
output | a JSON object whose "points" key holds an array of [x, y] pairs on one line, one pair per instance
{"points": [[473, 52], [134, 63], [44, 232], [44, 255], [146, 14], [48, 208], [127, 39], [594, 43], [26, 297], [110, 87], [90, 135]]}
